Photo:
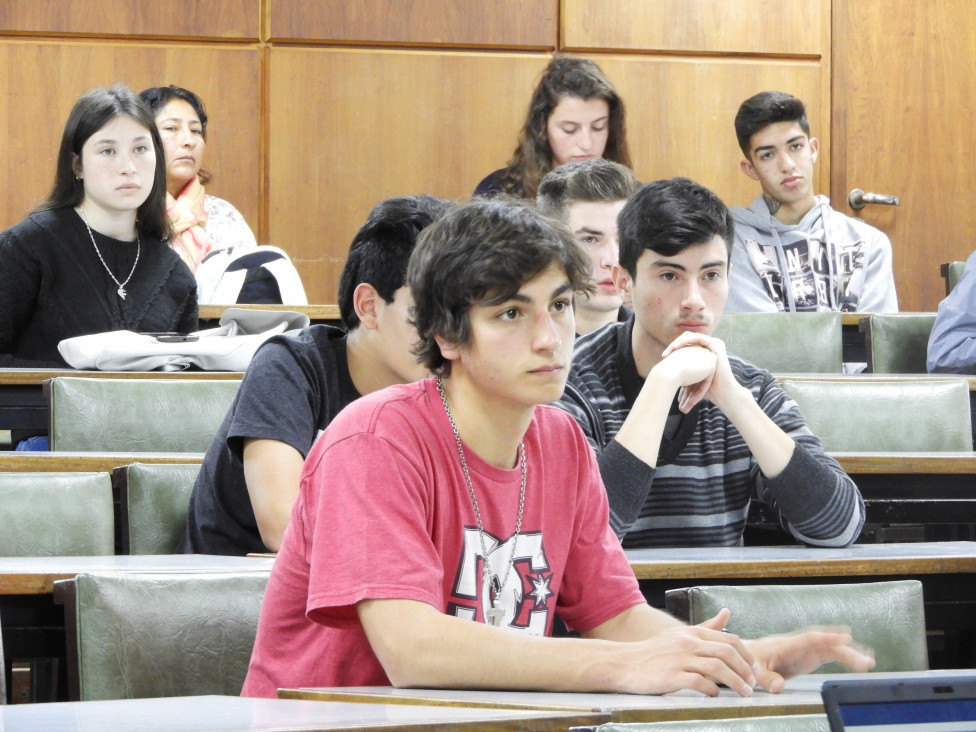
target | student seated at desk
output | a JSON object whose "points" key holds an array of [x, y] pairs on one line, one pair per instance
{"points": [[587, 196], [93, 257], [201, 222], [441, 525], [685, 434], [295, 386], [574, 114], [792, 251], [952, 342]]}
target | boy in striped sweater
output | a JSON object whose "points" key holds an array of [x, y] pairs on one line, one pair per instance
{"points": [[686, 434]]}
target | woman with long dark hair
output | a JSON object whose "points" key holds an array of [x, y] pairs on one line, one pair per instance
{"points": [[93, 257]]}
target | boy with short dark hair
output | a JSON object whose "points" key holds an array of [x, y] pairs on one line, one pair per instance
{"points": [[441, 525], [793, 252], [295, 385], [686, 435]]}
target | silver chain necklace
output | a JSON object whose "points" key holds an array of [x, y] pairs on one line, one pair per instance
{"points": [[121, 290], [493, 615]]}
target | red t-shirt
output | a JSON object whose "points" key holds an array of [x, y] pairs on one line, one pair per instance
{"points": [[383, 513]]}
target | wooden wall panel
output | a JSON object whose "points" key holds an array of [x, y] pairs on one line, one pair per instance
{"points": [[902, 101], [484, 23], [31, 121], [680, 114], [232, 19], [350, 128], [313, 122], [784, 27]]}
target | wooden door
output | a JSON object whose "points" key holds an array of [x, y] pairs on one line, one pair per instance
{"points": [[903, 112]]}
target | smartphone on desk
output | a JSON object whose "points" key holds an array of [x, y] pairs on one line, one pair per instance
{"points": [[174, 337]]}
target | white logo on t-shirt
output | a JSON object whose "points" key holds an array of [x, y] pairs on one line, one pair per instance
{"points": [[526, 594]]}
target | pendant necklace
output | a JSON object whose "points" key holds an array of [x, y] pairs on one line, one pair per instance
{"points": [[121, 291], [494, 615]]}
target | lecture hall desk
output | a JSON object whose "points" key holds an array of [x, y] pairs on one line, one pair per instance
{"points": [[22, 404], [209, 314], [620, 707], [898, 488], [12, 461], [22, 407], [801, 696], [216, 713], [945, 569]]}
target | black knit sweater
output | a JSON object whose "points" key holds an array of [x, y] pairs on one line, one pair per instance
{"points": [[53, 286]]}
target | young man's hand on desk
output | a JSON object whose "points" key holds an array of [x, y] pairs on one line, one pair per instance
{"points": [[783, 656]]}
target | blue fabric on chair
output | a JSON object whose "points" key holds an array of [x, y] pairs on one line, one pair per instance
{"points": [[37, 443]]}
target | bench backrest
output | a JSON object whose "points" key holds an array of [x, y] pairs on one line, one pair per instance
{"points": [[886, 416], [786, 342], [154, 498], [154, 634], [136, 415], [56, 514]]}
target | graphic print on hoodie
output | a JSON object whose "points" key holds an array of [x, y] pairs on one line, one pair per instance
{"points": [[824, 262]]}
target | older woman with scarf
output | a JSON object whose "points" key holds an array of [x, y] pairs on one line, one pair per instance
{"points": [[201, 223]]}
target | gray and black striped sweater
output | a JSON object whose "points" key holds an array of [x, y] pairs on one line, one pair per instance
{"points": [[699, 493]]}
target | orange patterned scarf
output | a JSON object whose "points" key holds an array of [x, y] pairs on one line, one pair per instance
{"points": [[189, 219]]}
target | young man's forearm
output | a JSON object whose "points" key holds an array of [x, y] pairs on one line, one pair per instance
{"points": [[769, 444], [420, 647]]}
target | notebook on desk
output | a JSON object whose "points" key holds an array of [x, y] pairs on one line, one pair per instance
{"points": [[926, 703]]}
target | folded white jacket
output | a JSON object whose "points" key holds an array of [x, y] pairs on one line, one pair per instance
{"points": [[228, 347]]}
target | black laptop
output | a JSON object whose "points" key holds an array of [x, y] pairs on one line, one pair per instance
{"points": [[942, 702]]}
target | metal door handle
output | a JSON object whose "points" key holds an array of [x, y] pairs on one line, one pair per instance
{"points": [[858, 199]]}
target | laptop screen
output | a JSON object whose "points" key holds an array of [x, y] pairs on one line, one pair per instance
{"points": [[922, 704]]}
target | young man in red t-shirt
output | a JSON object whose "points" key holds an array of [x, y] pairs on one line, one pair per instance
{"points": [[441, 525]]}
